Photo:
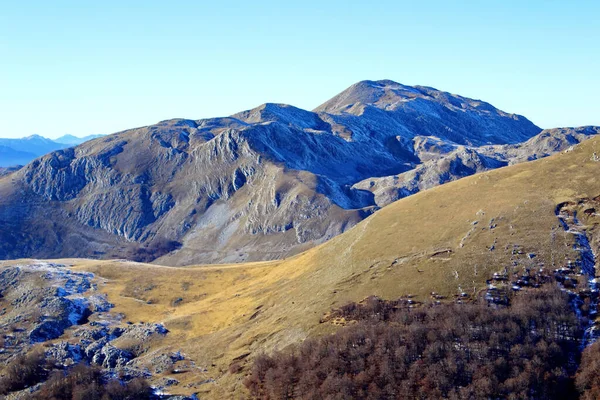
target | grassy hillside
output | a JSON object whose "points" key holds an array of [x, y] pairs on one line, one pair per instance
{"points": [[449, 239]]}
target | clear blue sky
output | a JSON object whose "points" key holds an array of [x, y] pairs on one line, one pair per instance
{"points": [[83, 67]]}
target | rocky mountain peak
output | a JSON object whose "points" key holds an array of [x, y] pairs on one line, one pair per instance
{"points": [[261, 184], [282, 113]]}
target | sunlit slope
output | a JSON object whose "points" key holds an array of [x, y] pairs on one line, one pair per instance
{"points": [[448, 239]]}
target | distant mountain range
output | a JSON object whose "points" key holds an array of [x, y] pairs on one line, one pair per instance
{"points": [[74, 140], [21, 151], [261, 184]]}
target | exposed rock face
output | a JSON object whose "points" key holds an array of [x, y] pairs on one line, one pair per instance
{"points": [[100, 346], [424, 111], [444, 161], [41, 302], [112, 357], [46, 299], [261, 184]]}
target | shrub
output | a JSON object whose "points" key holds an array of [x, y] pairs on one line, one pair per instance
{"points": [[83, 382], [24, 371], [235, 368], [79, 382], [455, 351], [588, 375]]}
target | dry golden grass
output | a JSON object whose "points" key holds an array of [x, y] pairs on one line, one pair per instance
{"points": [[225, 314]]}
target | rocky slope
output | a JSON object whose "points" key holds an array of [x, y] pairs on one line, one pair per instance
{"points": [[423, 111], [444, 162], [261, 184], [64, 310]]}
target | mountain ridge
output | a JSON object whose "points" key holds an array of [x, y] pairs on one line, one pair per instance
{"points": [[75, 140], [264, 183]]}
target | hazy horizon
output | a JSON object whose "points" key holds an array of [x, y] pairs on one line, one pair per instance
{"points": [[85, 69]]}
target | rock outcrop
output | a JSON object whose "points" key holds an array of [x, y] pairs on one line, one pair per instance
{"points": [[41, 302]]}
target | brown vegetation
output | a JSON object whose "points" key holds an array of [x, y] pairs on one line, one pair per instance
{"points": [[78, 382], [458, 351], [588, 375], [24, 371], [84, 382]]}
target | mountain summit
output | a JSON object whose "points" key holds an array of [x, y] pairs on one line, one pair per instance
{"points": [[425, 111], [261, 184]]}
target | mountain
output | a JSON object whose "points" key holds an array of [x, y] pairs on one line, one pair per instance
{"points": [[261, 184], [10, 157], [444, 162], [24, 150], [21, 151], [273, 182], [441, 243], [423, 111], [74, 140]]}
